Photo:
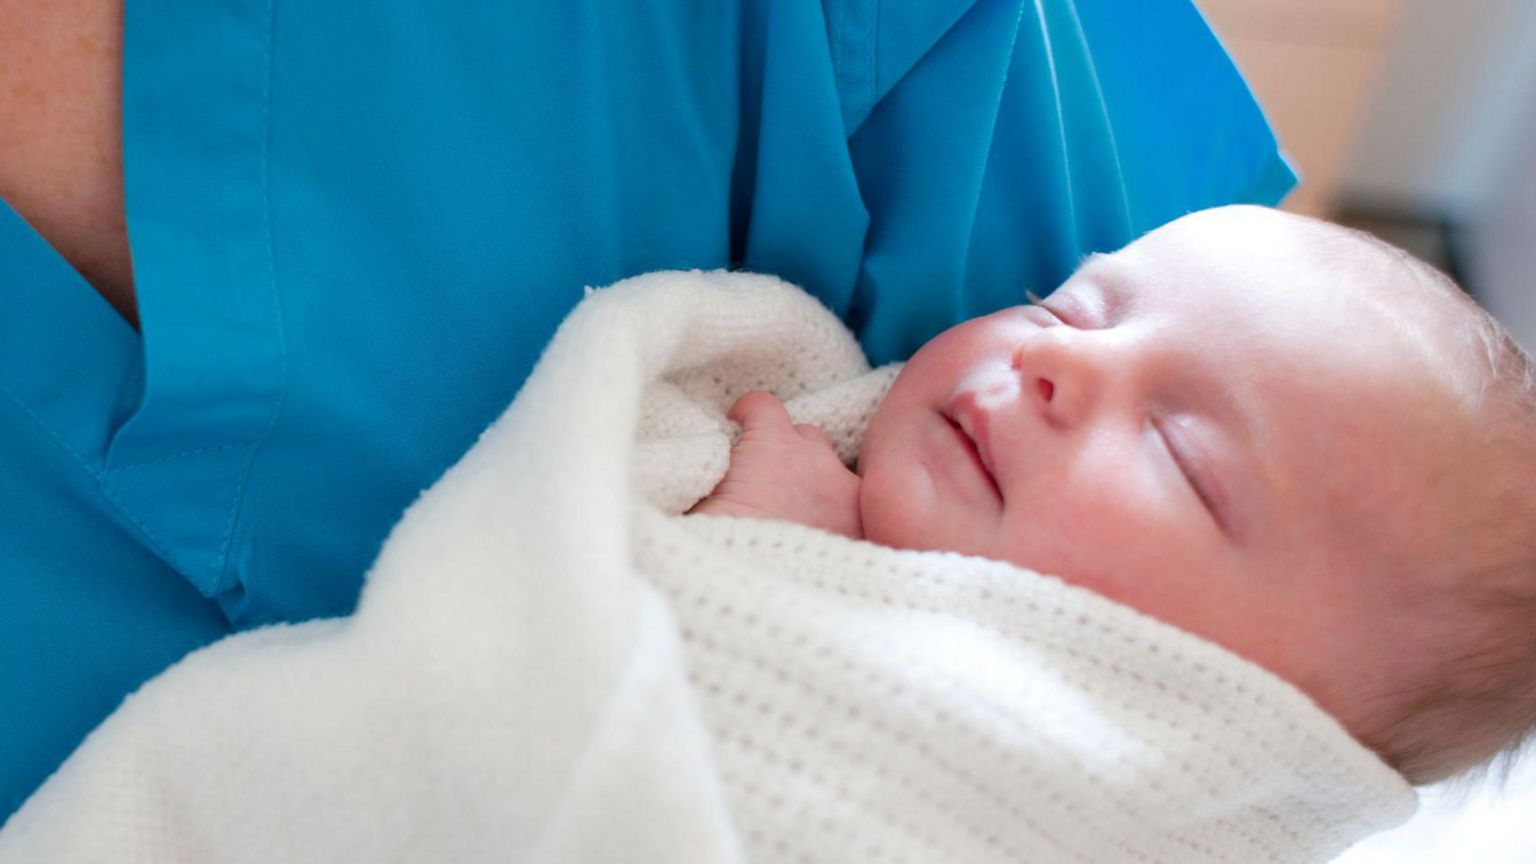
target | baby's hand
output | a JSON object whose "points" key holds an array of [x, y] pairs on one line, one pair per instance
{"points": [[784, 470]]}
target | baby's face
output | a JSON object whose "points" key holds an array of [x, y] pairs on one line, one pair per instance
{"points": [[1223, 425]]}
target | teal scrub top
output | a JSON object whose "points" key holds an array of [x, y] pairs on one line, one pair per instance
{"points": [[353, 227]]}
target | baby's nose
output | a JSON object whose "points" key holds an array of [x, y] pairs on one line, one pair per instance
{"points": [[1060, 372]]}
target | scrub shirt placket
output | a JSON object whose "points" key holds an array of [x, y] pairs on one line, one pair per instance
{"points": [[196, 93], [169, 423]]}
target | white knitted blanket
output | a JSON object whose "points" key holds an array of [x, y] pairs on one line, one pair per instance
{"points": [[548, 665]]}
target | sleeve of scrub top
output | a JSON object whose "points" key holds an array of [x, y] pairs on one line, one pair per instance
{"points": [[353, 228]]}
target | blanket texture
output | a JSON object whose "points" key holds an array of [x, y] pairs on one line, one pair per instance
{"points": [[548, 664]]}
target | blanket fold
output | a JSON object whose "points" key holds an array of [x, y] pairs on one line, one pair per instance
{"points": [[549, 664]]}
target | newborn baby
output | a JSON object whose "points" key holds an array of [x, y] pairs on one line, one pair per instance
{"points": [[1277, 434], [1255, 428]]}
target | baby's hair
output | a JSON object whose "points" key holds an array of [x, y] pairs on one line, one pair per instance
{"points": [[1476, 719]]}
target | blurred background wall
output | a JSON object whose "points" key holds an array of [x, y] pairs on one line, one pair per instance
{"points": [[1415, 119]]}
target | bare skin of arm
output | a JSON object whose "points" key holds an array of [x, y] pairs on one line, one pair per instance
{"points": [[61, 164]]}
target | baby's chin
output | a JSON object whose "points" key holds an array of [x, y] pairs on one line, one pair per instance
{"points": [[887, 516], [902, 509]]}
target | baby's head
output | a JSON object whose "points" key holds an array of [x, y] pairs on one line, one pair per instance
{"points": [[1281, 435]]}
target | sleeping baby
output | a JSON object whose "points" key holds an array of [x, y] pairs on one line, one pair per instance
{"points": [[1282, 436], [1204, 559]]}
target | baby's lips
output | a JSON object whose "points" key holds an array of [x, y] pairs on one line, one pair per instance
{"points": [[974, 420]]}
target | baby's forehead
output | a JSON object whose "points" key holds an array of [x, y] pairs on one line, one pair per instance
{"points": [[1280, 275]]}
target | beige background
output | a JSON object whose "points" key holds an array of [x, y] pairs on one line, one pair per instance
{"points": [[1313, 65]]}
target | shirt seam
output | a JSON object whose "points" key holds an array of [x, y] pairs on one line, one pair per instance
{"points": [[97, 476], [236, 505], [233, 445], [57, 438]]}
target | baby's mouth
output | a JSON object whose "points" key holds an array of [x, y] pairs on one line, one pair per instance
{"points": [[971, 426]]}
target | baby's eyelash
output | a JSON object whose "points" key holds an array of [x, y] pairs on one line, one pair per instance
{"points": [[1036, 301]]}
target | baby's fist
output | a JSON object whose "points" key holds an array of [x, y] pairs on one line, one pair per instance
{"points": [[784, 470]]}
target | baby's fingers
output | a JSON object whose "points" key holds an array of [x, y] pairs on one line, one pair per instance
{"points": [[759, 409], [814, 433]]}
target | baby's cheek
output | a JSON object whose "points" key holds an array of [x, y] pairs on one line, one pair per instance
{"points": [[1046, 548], [1115, 538]]}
